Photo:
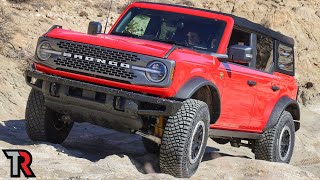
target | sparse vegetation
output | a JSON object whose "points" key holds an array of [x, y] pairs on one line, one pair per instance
{"points": [[5, 28], [125, 5], [102, 5], [83, 14], [187, 3], [18, 1], [102, 8], [6, 34]]}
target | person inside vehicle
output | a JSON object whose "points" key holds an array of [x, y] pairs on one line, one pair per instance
{"points": [[193, 39]]}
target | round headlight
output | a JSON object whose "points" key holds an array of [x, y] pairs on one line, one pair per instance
{"points": [[43, 49], [158, 71]]}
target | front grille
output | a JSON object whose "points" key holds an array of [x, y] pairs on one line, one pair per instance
{"points": [[91, 75], [94, 67]]}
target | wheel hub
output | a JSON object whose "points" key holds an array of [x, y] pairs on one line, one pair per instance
{"points": [[59, 124], [285, 143], [196, 142]]}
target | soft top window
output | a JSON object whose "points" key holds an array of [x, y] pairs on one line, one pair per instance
{"points": [[173, 28], [285, 59]]}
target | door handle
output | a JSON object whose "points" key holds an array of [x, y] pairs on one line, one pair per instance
{"points": [[275, 88], [252, 83]]}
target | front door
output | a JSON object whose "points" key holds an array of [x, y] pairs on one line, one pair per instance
{"points": [[237, 97], [239, 90]]}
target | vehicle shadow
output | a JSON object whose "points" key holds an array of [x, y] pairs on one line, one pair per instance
{"points": [[95, 143]]}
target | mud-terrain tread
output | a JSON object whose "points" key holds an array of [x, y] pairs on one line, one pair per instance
{"points": [[150, 146], [38, 120], [264, 148], [35, 113], [176, 135]]}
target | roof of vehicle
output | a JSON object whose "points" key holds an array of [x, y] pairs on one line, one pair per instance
{"points": [[243, 23]]}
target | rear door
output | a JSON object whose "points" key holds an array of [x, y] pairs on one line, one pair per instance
{"points": [[268, 87], [271, 85]]}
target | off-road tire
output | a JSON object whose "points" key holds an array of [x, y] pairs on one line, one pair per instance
{"points": [[42, 123], [175, 150], [268, 147], [150, 146]]}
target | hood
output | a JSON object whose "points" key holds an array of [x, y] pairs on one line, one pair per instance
{"points": [[145, 47]]}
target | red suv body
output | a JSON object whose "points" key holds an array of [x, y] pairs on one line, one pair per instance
{"points": [[242, 71]]}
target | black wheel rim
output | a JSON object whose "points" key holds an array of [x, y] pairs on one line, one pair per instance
{"points": [[285, 143], [58, 124], [196, 142]]}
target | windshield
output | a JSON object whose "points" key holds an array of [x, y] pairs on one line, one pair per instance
{"points": [[172, 28]]}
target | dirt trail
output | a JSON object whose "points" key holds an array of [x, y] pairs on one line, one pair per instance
{"points": [[96, 153]]}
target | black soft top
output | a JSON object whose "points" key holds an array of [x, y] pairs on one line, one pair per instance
{"points": [[245, 24]]}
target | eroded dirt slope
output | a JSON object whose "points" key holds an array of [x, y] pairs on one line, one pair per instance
{"points": [[296, 18], [92, 152]]}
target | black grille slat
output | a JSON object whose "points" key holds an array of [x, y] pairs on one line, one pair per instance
{"points": [[93, 67]]}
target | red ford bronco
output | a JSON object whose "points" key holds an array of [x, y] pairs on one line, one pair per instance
{"points": [[175, 76]]}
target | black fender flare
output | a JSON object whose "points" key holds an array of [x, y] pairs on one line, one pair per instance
{"points": [[284, 103], [193, 85]]}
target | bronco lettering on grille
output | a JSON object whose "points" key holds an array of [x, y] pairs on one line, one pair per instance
{"points": [[102, 61]]}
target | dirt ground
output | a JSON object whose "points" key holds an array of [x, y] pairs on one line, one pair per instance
{"points": [[92, 152]]}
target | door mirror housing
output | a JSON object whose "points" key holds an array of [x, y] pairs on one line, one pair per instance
{"points": [[240, 54], [94, 28]]}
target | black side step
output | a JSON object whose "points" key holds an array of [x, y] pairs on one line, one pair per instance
{"points": [[217, 133]]}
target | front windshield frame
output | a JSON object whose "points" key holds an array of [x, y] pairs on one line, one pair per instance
{"points": [[217, 21]]}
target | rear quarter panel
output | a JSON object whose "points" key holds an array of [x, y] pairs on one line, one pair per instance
{"points": [[288, 87]]}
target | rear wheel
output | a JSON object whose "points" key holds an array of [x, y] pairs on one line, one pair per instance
{"points": [[277, 143], [185, 139], [42, 123]]}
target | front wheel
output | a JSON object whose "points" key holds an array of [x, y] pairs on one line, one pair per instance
{"points": [[277, 143], [42, 123], [185, 139]]}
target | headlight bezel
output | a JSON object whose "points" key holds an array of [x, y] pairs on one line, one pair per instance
{"points": [[40, 47], [149, 74]]}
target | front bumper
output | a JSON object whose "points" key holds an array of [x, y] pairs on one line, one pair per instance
{"points": [[100, 105]]}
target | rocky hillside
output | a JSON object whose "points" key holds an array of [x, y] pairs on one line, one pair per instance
{"points": [[23, 21]]}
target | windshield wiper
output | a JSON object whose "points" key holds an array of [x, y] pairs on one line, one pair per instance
{"points": [[127, 34], [171, 42]]}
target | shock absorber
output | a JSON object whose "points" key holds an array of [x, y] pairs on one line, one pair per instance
{"points": [[159, 127]]}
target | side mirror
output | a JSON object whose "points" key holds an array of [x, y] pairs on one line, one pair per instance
{"points": [[94, 28], [240, 53]]}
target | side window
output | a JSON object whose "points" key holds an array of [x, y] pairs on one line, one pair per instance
{"points": [[285, 58], [264, 60], [138, 25], [239, 38]]}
